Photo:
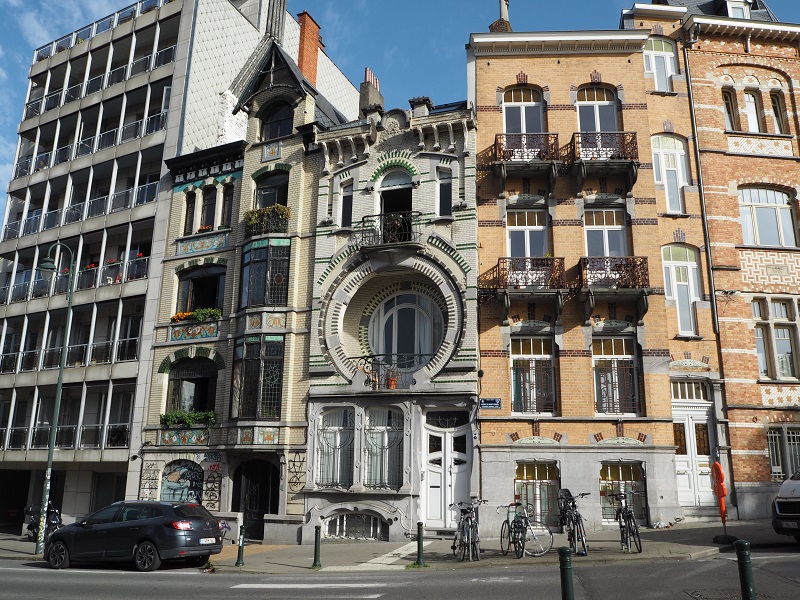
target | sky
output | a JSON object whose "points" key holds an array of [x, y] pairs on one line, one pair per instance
{"points": [[415, 47]]}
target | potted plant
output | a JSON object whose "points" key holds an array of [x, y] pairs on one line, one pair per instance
{"points": [[391, 378], [204, 228], [180, 419]]}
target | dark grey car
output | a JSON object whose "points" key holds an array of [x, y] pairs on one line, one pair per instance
{"points": [[139, 531]]}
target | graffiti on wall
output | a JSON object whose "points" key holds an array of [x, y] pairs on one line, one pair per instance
{"points": [[182, 481]]}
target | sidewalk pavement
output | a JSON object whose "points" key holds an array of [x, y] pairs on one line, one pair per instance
{"points": [[684, 541]]}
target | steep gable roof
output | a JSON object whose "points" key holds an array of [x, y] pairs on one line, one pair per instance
{"points": [[759, 10]]}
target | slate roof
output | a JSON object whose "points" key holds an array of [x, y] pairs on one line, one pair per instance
{"points": [[759, 10], [256, 69]]}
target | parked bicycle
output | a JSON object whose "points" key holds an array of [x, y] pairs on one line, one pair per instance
{"points": [[572, 521], [467, 539], [523, 533], [628, 529]]}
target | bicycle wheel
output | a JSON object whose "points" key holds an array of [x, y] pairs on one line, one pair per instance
{"points": [[570, 526], [633, 530], [518, 537], [505, 538], [540, 538], [456, 542], [624, 537], [580, 536], [464, 544], [476, 541]]}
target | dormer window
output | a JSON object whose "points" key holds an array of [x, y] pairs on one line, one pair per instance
{"points": [[739, 9]]}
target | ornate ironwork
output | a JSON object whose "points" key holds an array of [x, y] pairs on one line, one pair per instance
{"points": [[262, 222], [526, 146], [615, 386], [594, 145], [533, 272], [618, 272], [391, 371], [390, 228], [533, 385]]}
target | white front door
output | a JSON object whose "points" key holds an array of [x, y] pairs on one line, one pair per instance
{"points": [[693, 438], [448, 465]]}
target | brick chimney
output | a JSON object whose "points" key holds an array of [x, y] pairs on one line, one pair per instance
{"points": [[310, 44], [370, 100]]}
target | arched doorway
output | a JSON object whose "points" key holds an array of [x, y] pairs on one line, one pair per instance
{"points": [[256, 491]]}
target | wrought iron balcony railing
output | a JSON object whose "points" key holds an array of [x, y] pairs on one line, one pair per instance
{"points": [[531, 272], [618, 272], [262, 221], [390, 228], [526, 146], [595, 145], [391, 371]]}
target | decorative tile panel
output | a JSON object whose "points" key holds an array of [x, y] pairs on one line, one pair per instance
{"points": [[758, 145], [214, 241], [193, 331], [183, 437], [267, 435]]}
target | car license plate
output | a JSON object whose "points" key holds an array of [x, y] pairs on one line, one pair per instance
{"points": [[208, 541], [790, 524]]}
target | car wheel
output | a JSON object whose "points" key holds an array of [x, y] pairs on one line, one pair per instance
{"points": [[198, 561], [58, 555], [146, 557]]}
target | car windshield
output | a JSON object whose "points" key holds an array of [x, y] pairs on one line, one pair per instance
{"points": [[193, 511]]}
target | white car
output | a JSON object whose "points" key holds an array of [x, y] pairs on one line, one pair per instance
{"points": [[786, 508]]}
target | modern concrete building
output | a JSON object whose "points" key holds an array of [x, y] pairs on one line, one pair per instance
{"points": [[107, 105], [234, 320]]}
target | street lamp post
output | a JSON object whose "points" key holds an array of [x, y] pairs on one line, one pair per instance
{"points": [[48, 265]]}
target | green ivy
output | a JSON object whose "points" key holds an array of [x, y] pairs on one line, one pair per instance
{"points": [[179, 418]]}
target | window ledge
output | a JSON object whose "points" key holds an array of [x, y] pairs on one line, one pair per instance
{"points": [[778, 381], [664, 93], [260, 143], [769, 248], [669, 215], [760, 134], [688, 337], [442, 220], [342, 230]]}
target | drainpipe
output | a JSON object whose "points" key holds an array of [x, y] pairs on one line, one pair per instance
{"points": [[691, 38]]}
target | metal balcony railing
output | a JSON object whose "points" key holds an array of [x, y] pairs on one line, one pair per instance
{"points": [[263, 221], [390, 228], [531, 272], [526, 146], [594, 145], [391, 371], [618, 272]]}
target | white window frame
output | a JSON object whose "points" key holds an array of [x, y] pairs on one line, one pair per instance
{"points": [[656, 54], [776, 337], [383, 448], [753, 110], [783, 448], [682, 284], [669, 160], [336, 457], [523, 105], [778, 105], [345, 191], [444, 183], [609, 224], [730, 109], [739, 9], [615, 350], [527, 221], [757, 203], [531, 350]]}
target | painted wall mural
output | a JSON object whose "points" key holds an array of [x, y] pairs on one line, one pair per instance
{"points": [[182, 481]]}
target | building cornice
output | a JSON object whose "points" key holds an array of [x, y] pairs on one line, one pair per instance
{"points": [[655, 10], [766, 30], [558, 42]]}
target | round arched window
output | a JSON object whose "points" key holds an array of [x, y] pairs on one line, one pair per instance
{"points": [[406, 331]]}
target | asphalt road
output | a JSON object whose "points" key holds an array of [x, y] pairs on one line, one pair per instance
{"points": [[777, 575]]}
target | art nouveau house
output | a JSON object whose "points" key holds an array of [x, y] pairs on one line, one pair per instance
{"points": [[234, 318], [393, 382]]}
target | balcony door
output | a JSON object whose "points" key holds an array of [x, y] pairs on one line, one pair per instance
{"points": [[395, 207], [597, 120]]}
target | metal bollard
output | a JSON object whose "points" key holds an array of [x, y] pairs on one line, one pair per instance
{"points": [[565, 561], [240, 556], [745, 570], [420, 562], [317, 535]]}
